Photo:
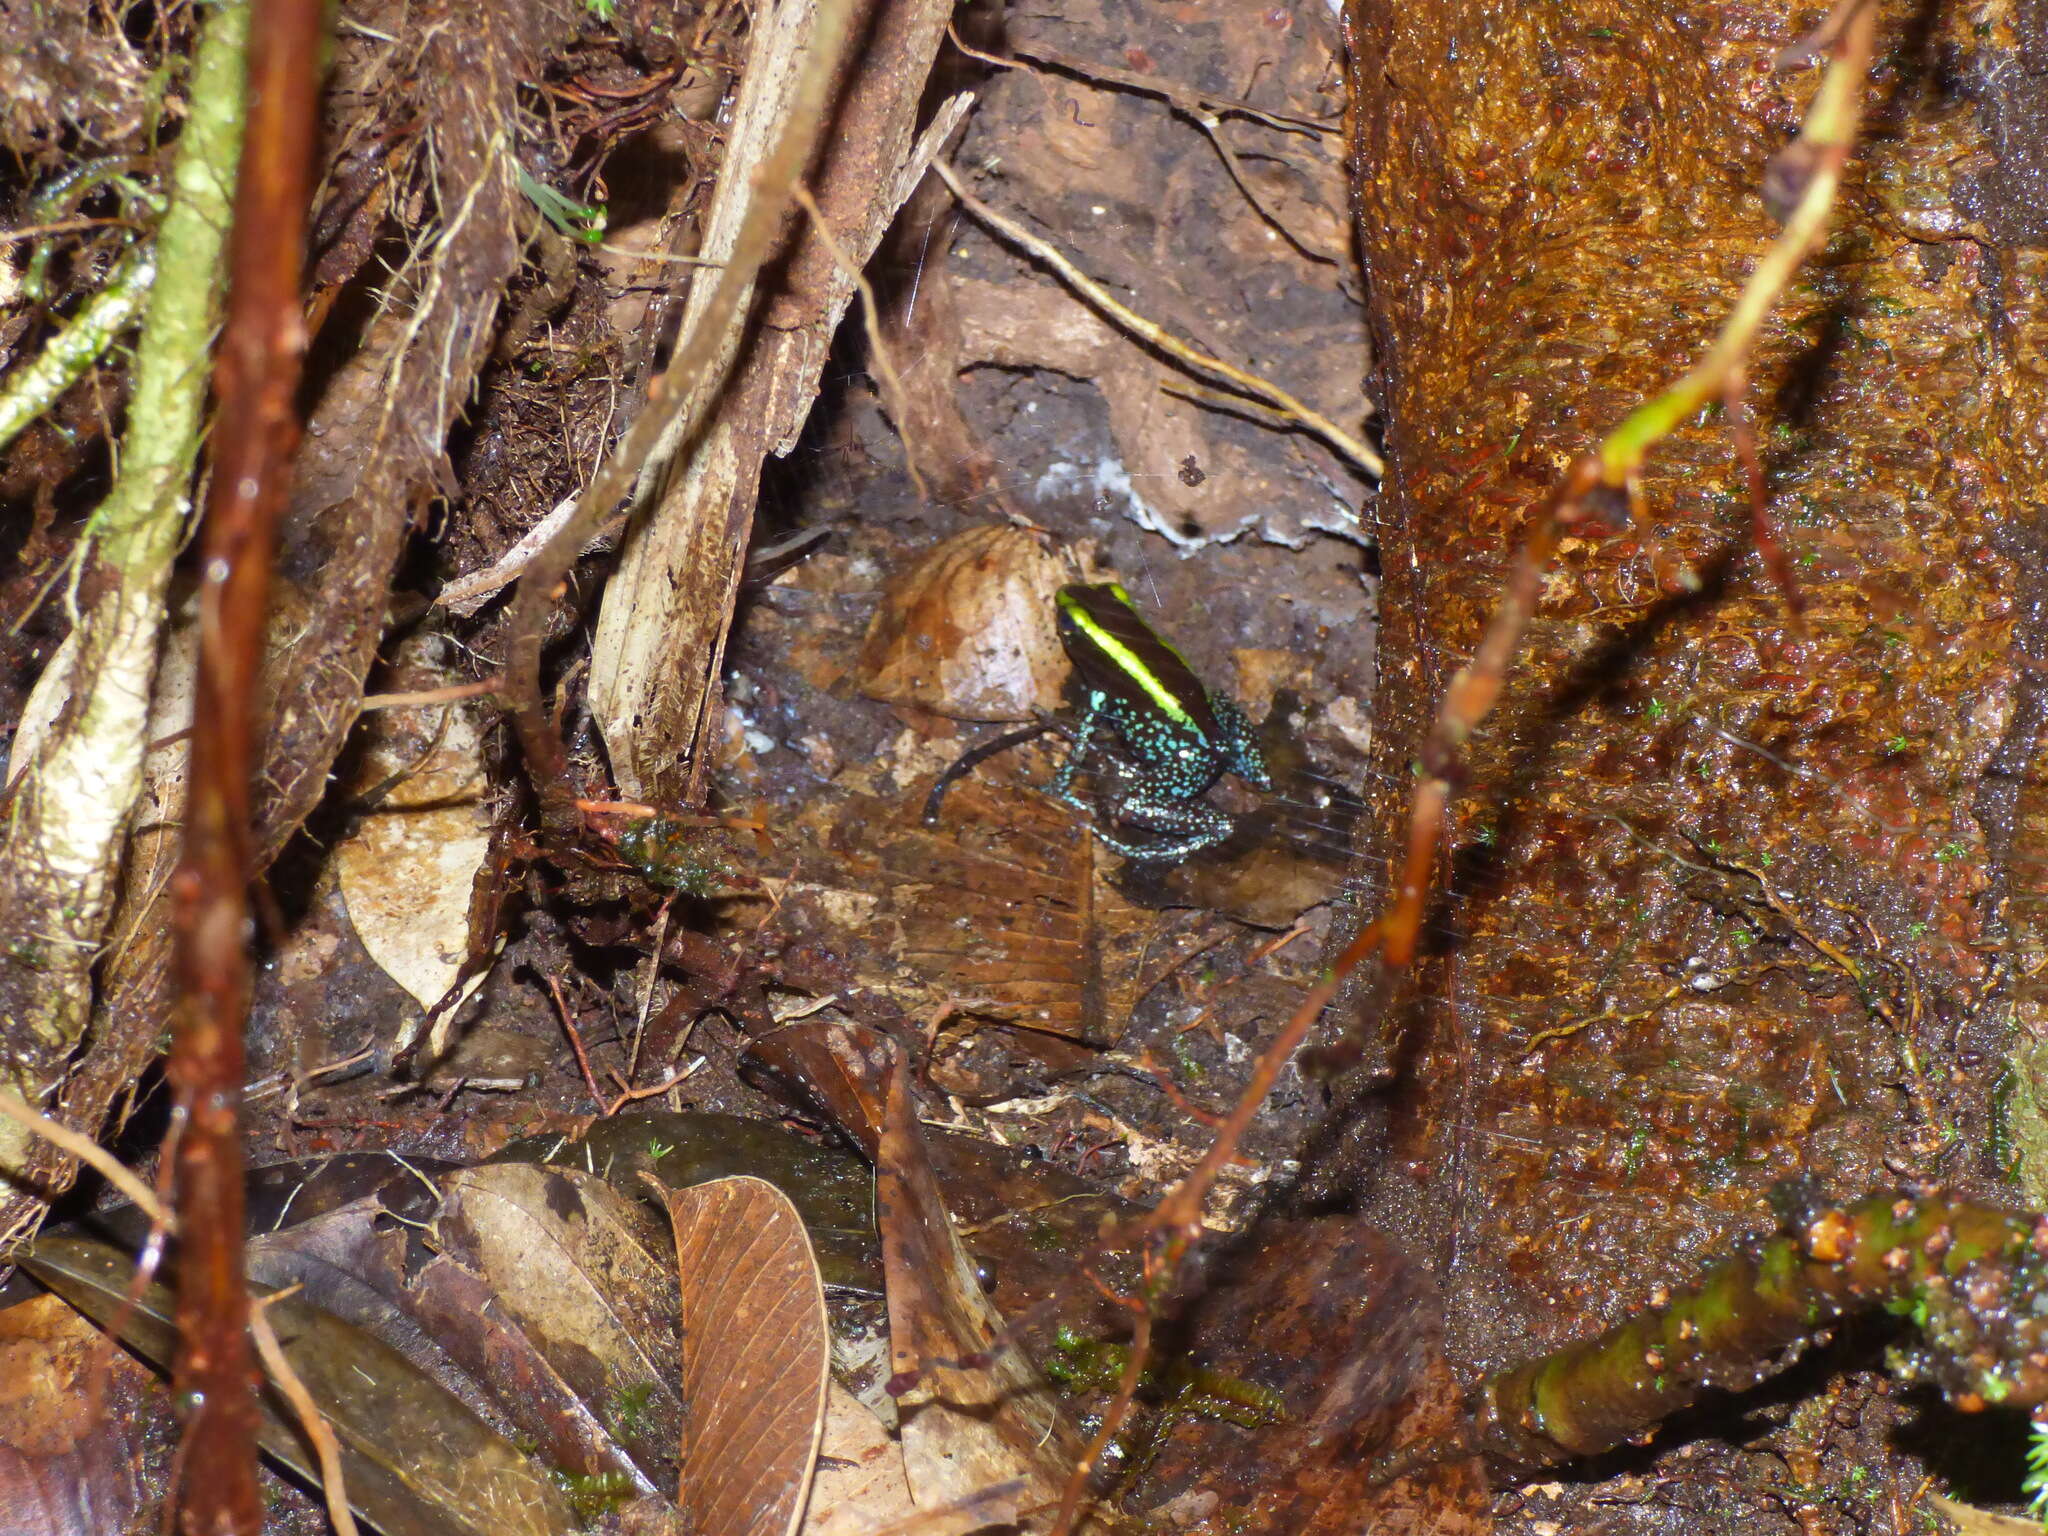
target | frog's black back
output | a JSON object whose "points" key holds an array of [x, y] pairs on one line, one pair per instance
{"points": [[1111, 610]]}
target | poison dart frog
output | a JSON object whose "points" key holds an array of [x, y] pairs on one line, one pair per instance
{"points": [[1179, 737]]}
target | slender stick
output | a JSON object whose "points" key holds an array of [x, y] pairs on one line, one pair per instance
{"points": [[325, 1447], [90, 1152], [257, 380], [1346, 443], [878, 350]]}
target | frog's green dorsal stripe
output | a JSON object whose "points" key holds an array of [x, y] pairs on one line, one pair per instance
{"points": [[1127, 660]]}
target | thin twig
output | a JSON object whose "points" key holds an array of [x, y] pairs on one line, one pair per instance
{"points": [[453, 693], [1185, 97], [1763, 532], [1113, 1418], [261, 348], [870, 313], [1350, 446], [90, 1152], [310, 1418]]}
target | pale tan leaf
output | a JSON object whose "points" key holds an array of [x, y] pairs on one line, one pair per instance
{"points": [[860, 1489], [1968, 1520], [408, 867], [860, 1485], [756, 1350]]}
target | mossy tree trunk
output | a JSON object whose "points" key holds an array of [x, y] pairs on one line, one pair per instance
{"points": [[1781, 892]]}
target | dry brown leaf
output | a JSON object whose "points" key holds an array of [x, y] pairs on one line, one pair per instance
{"points": [[566, 1289], [973, 1414], [409, 867], [979, 1412], [76, 1423], [756, 1353], [967, 631], [993, 906]]}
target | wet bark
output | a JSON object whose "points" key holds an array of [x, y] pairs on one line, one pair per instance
{"points": [[1775, 891]]}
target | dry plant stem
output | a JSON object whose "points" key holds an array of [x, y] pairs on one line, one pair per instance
{"points": [[1189, 100], [453, 693], [1829, 132], [885, 365], [310, 1417], [1763, 532], [1112, 1420], [1206, 112], [678, 403], [67, 814], [257, 380], [90, 1152], [1350, 446]]}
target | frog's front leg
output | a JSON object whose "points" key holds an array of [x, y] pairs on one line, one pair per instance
{"points": [[1062, 786]]}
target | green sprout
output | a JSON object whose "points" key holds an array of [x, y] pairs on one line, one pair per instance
{"points": [[584, 222], [631, 1408], [2035, 1485]]}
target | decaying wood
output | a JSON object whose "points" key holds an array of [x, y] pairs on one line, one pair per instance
{"points": [[374, 450], [661, 631], [794, 61], [78, 778]]}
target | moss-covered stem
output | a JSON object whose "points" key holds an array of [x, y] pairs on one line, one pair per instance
{"points": [[35, 386], [1973, 1281], [67, 811]]}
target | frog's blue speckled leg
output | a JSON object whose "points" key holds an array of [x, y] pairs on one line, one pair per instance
{"points": [[1241, 744], [1204, 826], [1062, 786]]}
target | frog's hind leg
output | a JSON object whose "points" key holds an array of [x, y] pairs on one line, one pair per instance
{"points": [[1201, 826]]}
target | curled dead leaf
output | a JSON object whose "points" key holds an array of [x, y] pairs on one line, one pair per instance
{"points": [[967, 632]]}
